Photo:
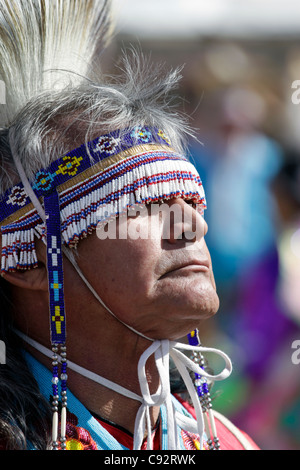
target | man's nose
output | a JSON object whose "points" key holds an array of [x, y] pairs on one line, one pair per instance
{"points": [[184, 222]]}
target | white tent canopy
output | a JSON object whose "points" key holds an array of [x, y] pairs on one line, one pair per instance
{"points": [[194, 18]]}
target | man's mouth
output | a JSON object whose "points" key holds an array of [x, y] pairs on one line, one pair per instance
{"points": [[187, 267]]}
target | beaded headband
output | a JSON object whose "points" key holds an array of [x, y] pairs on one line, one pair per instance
{"points": [[87, 186], [94, 182]]}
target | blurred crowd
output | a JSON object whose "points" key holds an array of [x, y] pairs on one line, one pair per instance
{"points": [[249, 160], [238, 96]]}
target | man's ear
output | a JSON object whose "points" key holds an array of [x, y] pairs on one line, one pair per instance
{"points": [[32, 279]]}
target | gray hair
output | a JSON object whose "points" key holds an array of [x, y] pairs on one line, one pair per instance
{"points": [[38, 41], [54, 123], [61, 98]]}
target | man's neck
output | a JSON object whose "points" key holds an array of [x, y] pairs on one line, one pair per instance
{"points": [[120, 368]]}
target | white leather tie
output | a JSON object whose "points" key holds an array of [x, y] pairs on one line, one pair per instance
{"points": [[162, 350]]}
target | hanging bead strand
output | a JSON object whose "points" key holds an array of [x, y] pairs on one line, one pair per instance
{"points": [[63, 378], [57, 316], [202, 388], [55, 398]]}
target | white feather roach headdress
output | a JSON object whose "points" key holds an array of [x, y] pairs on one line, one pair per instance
{"points": [[39, 40]]}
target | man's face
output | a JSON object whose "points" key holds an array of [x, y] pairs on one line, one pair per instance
{"points": [[151, 271]]}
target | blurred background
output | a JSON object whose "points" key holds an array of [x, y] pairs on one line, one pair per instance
{"points": [[241, 59]]}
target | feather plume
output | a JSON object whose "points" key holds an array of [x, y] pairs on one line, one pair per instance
{"points": [[42, 39]]}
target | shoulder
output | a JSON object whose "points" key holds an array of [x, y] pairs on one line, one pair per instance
{"points": [[230, 437]]}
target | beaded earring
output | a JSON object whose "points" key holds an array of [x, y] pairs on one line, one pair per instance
{"points": [[202, 387]]}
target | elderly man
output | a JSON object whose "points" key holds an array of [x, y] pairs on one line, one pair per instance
{"points": [[102, 235]]}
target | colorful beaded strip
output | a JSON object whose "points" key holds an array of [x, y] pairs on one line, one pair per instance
{"points": [[202, 388], [78, 161], [55, 269], [57, 316]]}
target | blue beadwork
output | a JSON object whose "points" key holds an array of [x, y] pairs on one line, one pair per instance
{"points": [[200, 381], [77, 161], [55, 269]]}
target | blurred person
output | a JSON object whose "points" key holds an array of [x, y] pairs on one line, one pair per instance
{"points": [[268, 323], [238, 162], [242, 220], [84, 162]]}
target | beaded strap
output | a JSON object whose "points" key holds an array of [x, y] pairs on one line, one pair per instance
{"points": [[57, 316], [202, 388], [55, 269]]}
